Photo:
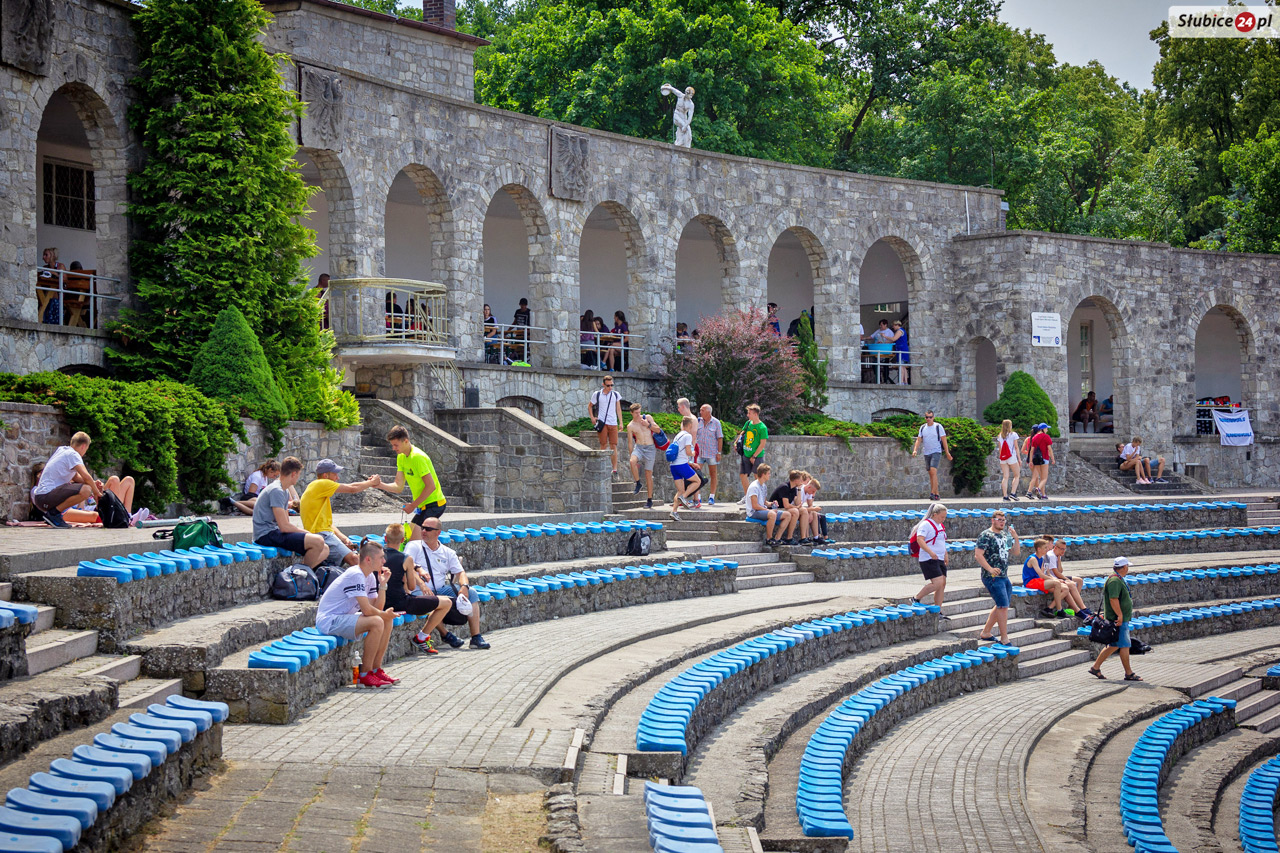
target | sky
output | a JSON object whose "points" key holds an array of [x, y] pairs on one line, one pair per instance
{"points": [[1114, 32]]}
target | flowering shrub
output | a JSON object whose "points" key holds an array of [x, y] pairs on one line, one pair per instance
{"points": [[737, 361]]}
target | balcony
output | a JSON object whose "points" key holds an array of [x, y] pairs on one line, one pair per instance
{"points": [[72, 298], [388, 321]]}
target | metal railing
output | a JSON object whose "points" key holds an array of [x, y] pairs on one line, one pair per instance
{"points": [[508, 344], [1205, 424], [71, 297], [386, 310], [449, 381], [614, 352], [880, 364]]}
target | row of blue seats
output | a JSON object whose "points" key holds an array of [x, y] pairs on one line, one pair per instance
{"points": [[49, 814], [1140, 783], [820, 791], [679, 820], [306, 646], [1179, 575], [663, 724], [522, 531], [1019, 512], [1258, 809], [1274, 670], [1100, 539], [13, 612], [1194, 614], [152, 564]]}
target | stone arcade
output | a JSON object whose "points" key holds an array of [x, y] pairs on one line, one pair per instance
{"points": [[419, 183]]}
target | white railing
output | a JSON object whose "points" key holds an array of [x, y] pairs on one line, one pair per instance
{"points": [[508, 344], [880, 364], [385, 310], [610, 351], [71, 297], [1205, 423]]}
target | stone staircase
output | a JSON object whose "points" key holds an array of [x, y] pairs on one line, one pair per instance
{"points": [[377, 457], [1263, 511], [758, 567], [1100, 452]]}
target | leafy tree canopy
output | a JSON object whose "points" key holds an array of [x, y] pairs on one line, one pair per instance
{"points": [[1024, 402]]}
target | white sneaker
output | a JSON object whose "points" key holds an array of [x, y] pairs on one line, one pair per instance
{"points": [[137, 516]]}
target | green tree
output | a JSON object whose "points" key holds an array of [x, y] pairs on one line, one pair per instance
{"points": [[217, 203], [1252, 211], [1024, 402], [813, 366], [232, 367], [759, 91], [1150, 202]]}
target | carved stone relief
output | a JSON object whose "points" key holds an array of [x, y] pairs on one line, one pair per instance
{"points": [[26, 34], [570, 176], [322, 126]]}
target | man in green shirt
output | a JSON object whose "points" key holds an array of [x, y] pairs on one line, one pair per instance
{"points": [[415, 468], [755, 435], [1117, 607]]}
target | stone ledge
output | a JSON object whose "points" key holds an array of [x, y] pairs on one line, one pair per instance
{"points": [[1157, 634], [33, 710], [1179, 592]]}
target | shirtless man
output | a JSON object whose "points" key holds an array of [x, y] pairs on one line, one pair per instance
{"points": [[643, 450]]}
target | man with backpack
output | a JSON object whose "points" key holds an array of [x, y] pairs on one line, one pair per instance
{"points": [[934, 438], [271, 524], [643, 450]]}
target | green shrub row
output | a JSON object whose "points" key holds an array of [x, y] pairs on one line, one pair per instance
{"points": [[173, 440]]}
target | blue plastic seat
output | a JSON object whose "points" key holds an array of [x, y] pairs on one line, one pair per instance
{"points": [[136, 763], [185, 728], [62, 828], [82, 809], [118, 777], [156, 751]]}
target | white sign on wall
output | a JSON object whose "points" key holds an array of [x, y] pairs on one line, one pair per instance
{"points": [[1046, 329]]}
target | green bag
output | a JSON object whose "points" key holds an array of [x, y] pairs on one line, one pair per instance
{"points": [[191, 534]]}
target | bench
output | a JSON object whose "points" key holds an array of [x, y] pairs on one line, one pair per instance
{"points": [[1195, 614], [1257, 825], [820, 790], [1158, 747], [679, 820]]}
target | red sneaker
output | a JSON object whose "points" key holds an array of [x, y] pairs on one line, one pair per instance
{"points": [[382, 673], [372, 679]]}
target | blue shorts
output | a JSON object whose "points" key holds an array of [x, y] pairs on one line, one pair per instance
{"points": [[682, 472], [1122, 641], [1000, 588]]}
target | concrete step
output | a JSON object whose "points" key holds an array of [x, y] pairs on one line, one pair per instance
{"points": [[142, 692], [1240, 690], [1264, 722], [748, 570], [1258, 703], [44, 619], [697, 535], [6, 592], [1032, 636], [976, 618], [967, 605], [1035, 651], [716, 549], [119, 667], [1052, 663], [751, 559], [57, 647], [783, 579]]}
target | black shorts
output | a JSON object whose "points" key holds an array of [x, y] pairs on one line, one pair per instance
{"points": [[418, 605], [429, 511], [295, 542], [453, 617], [933, 569], [748, 465]]}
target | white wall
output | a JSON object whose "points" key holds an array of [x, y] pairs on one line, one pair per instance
{"points": [[602, 267], [881, 279], [506, 260], [408, 242], [699, 277], [1218, 358], [73, 244], [790, 282], [317, 221], [1102, 366]]}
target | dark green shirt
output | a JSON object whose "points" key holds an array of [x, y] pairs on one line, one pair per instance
{"points": [[1115, 587], [753, 438]]}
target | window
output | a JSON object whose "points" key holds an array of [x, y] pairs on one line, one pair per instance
{"points": [[1086, 358], [68, 195]]}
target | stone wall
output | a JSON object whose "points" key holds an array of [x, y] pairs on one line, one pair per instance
{"points": [[27, 347], [1256, 466], [1194, 628], [31, 434], [537, 469], [310, 442]]}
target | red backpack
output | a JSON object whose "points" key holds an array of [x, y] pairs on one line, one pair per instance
{"points": [[913, 544]]}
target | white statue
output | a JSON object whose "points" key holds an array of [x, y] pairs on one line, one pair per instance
{"points": [[683, 115]]}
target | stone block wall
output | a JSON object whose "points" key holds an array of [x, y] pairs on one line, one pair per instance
{"points": [[1192, 629], [27, 347], [467, 470], [1256, 465], [537, 469], [310, 442], [31, 434]]}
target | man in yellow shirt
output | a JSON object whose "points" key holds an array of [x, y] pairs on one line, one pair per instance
{"points": [[317, 512], [415, 468]]}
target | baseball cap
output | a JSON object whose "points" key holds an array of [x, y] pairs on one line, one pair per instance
{"points": [[328, 466], [1042, 426], [1120, 562]]}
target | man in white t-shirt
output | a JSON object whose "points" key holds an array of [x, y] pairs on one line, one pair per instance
{"points": [[346, 611], [684, 470], [605, 409], [934, 438], [1053, 563], [442, 575], [65, 482]]}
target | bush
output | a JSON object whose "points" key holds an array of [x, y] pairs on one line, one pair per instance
{"points": [[815, 368], [232, 367], [737, 361], [168, 436], [1025, 403]]}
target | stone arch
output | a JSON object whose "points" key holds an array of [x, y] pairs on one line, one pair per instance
{"points": [[95, 370], [107, 151], [881, 414], [1113, 366], [982, 374], [342, 255], [529, 405], [639, 306], [819, 273], [437, 216], [696, 272], [1221, 366], [880, 282]]}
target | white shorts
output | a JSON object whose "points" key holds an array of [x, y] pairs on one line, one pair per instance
{"points": [[343, 625]]}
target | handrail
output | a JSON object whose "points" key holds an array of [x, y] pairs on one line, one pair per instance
{"points": [[506, 343], [598, 352], [885, 364], [384, 310], [1206, 424], [63, 294]]}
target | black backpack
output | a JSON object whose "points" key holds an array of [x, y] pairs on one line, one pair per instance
{"points": [[638, 544], [112, 511], [296, 583]]}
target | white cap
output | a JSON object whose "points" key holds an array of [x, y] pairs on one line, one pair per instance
{"points": [[1120, 562]]}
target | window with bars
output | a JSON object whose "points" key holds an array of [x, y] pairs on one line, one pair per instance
{"points": [[68, 195]]}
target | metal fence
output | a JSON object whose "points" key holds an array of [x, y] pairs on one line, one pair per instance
{"points": [[609, 351], [369, 310], [72, 297], [879, 366], [509, 344]]}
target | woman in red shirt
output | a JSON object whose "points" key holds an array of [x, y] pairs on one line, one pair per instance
{"points": [[1039, 452]]}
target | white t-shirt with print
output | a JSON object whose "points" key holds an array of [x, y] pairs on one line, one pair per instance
{"points": [[342, 596], [761, 491], [935, 535], [58, 471], [443, 563], [684, 442]]}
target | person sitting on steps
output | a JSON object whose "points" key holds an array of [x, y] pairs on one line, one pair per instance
{"points": [[271, 523], [345, 611], [440, 569], [761, 508], [407, 590]]}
